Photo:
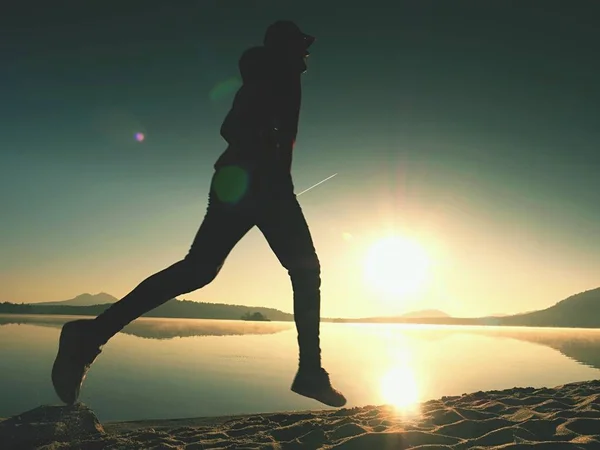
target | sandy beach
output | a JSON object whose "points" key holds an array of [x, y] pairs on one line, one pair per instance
{"points": [[564, 417]]}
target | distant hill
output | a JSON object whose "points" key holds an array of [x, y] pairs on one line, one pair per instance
{"points": [[415, 320], [429, 313], [85, 300], [172, 309], [578, 311], [201, 310], [423, 316]]}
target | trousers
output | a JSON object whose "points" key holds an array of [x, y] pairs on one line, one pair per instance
{"points": [[237, 202]]}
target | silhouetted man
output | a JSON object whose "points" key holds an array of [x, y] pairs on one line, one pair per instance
{"points": [[251, 186]]}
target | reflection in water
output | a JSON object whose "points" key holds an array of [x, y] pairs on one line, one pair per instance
{"points": [[579, 344], [158, 328], [399, 389], [162, 329], [237, 367], [398, 383]]}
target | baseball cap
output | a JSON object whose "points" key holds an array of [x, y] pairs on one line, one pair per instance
{"points": [[285, 30]]}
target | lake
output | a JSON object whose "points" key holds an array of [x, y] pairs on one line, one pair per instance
{"points": [[178, 368]]}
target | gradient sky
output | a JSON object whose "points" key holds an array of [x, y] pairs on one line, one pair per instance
{"points": [[473, 129]]}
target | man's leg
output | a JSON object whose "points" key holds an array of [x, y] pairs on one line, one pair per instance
{"points": [[219, 232], [81, 340], [285, 228]]}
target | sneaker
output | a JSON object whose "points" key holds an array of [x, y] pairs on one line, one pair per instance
{"points": [[316, 385], [76, 353]]}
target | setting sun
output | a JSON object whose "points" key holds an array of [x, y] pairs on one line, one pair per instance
{"points": [[396, 265]]}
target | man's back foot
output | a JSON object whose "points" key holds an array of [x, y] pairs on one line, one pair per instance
{"points": [[315, 384], [77, 351]]}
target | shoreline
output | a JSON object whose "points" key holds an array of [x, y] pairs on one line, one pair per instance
{"points": [[562, 417], [467, 322]]}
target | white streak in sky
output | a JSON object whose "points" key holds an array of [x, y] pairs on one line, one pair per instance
{"points": [[315, 185]]}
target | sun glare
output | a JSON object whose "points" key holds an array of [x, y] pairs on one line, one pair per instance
{"points": [[396, 265], [399, 389]]}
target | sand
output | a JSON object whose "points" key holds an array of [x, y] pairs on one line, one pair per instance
{"points": [[565, 417]]}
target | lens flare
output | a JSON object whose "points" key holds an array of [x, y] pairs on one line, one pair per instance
{"points": [[139, 137], [231, 183], [225, 88]]}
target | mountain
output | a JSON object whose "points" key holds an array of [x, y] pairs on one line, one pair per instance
{"points": [[201, 310], [445, 320], [174, 308], [84, 300], [426, 313], [429, 316], [578, 311]]}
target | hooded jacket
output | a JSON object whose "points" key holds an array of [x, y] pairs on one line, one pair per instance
{"points": [[262, 124]]}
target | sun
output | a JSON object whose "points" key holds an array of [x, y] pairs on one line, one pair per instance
{"points": [[396, 265]]}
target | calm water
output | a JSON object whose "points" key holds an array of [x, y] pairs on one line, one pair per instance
{"points": [[175, 368]]}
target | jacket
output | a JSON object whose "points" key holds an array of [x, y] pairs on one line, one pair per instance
{"points": [[262, 124]]}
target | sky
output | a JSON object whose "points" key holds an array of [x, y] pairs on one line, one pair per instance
{"points": [[469, 128]]}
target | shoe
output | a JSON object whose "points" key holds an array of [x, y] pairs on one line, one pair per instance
{"points": [[77, 351], [315, 384]]}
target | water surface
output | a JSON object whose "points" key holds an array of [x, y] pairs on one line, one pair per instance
{"points": [[176, 368]]}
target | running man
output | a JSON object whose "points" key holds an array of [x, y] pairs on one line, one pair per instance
{"points": [[251, 186]]}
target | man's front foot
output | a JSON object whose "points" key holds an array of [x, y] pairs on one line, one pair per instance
{"points": [[77, 350], [315, 384]]}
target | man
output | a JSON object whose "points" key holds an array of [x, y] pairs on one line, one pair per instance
{"points": [[251, 186]]}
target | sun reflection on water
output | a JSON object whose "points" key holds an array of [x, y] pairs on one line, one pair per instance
{"points": [[399, 389], [399, 385]]}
